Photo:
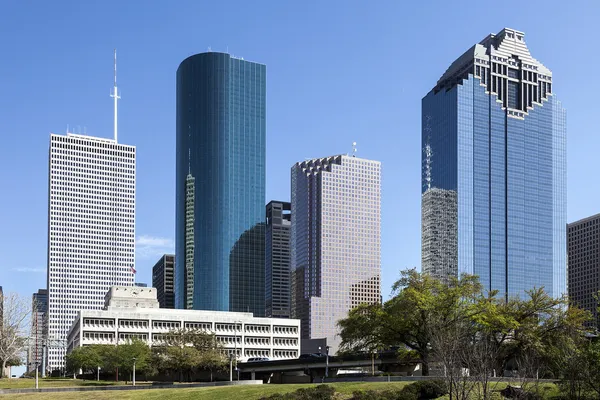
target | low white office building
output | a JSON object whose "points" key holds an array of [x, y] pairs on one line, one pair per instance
{"points": [[133, 312]]}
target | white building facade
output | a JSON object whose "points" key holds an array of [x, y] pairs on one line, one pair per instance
{"points": [[335, 241], [132, 312], [91, 232]]}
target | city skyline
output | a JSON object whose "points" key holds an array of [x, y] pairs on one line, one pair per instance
{"points": [[402, 213]]}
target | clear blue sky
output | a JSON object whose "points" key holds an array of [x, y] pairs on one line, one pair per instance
{"points": [[337, 72]]}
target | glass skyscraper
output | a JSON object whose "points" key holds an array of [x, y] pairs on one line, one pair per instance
{"points": [[220, 233], [494, 170]]}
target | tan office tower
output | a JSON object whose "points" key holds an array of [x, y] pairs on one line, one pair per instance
{"points": [[335, 240]]}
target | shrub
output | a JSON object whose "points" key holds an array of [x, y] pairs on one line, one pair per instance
{"points": [[368, 395], [430, 389], [374, 395], [514, 392], [422, 390], [321, 392]]}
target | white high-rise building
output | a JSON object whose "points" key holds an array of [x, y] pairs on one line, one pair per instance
{"points": [[335, 241], [91, 229]]}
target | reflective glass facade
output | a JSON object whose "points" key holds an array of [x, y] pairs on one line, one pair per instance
{"points": [[494, 135], [220, 184]]}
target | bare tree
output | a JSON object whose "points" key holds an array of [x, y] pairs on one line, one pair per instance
{"points": [[480, 360], [14, 326], [452, 348], [529, 367]]}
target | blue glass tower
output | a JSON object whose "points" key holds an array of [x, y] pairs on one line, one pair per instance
{"points": [[220, 184], [494, 170]]}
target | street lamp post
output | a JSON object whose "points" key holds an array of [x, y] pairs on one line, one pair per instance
{"points": [[234, 351], [235, 324], [134, 371], [98, 374], [43, 360], [237, 370], [36, 375], [373, 363], [327, 362]]}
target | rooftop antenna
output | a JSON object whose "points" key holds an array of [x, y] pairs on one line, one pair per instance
{"points": [[115, 96], [354, 149]]}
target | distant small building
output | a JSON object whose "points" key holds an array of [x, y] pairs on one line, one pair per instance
{"points": [[584, 264], [277, 259], [39, 313], [140, 284], [132, 312], [162, 280]]}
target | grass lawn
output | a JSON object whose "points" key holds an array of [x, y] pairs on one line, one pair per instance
{"points": [[22, 383], [251, 392]]}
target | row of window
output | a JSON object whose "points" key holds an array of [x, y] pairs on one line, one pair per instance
{"points": [[73, 139], [99, 336], [193, 325]]}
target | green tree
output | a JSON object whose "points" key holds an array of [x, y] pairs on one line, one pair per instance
{"points": [[538, 325], [210, 351], [182, 359], [177, 353], [86, 358], [591, 372], [109, 355], [120, 357], [212, 360], [184, 350], [502, 333], [130, 351], [420, 306]]}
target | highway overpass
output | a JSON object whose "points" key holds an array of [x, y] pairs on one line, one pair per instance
{"points": [[316, 367]]}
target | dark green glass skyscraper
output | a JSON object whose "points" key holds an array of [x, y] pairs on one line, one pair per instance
{"points": [[221, 130]]}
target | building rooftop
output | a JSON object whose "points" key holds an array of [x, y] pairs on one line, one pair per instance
{"points": [[506, 44]]}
